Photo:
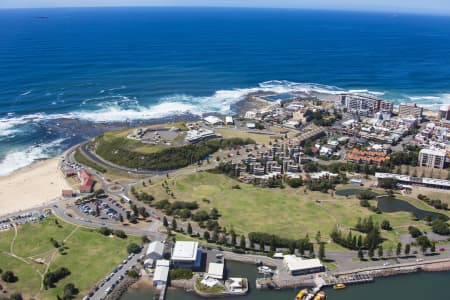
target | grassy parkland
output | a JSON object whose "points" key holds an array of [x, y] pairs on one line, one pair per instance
{"points": [[286, 212], [31, 253]]}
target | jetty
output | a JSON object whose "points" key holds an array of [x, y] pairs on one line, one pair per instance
{"points": [[162, 291]]}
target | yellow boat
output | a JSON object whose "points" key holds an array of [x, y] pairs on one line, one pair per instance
{"points": [[301, 294], [320, 296], [339, 286]]}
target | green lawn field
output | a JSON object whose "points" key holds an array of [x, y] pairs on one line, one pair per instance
{"points": [[89, 256], [288, 212]]}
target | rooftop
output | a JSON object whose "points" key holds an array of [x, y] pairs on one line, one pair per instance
{"points": [[215, 270], [155, 247], [161, 270], [185, 251], [297, 263], [213, 120], [434, 152]]}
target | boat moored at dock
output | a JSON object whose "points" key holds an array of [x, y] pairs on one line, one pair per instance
{"points": [[301, 294], [339, 286], [320, 296]]}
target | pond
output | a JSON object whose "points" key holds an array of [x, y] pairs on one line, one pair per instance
{"points": [[347, 192], [391, 204]]}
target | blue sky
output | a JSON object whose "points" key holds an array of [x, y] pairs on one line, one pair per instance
{"points": [[397, 6]]}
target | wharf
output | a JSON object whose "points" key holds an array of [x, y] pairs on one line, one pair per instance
{"points": [[162, 294], [353, 279]]}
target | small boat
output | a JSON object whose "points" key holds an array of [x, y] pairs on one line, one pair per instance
{"points": [[301, 294], [265, 270], [339, 286], [320, 296]]}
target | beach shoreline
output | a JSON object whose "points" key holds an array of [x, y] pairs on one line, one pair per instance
{"points": [[31, 186]]}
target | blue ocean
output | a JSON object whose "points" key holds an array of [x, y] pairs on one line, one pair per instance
{"points": [[66, 69]]}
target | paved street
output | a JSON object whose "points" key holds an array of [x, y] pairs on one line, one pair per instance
{"points": [[116, 276]]}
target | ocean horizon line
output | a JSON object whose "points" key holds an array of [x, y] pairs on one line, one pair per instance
{"points": [[297, 9]]}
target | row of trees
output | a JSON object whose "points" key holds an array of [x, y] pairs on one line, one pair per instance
{"points": [[51, 278], [107, 232], [177, 208], [326, 183], [439, 226], [436, 203], [142, 196], [409, 156], [357, 241], [380, 251], [265, 239]]}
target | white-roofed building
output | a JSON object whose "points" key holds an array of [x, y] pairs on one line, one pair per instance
{"points": [[215, 270], [250, 114], [186, 254], [278, 255], [323, 174], [325, 151], [213, 120], [229, 120], [299, 266], [154, 251], [404, 179], [161, 273], [195, 136]]}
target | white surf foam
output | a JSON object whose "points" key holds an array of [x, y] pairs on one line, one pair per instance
{"points": [[7, 126], [26, 93], [116, 113], [117, 108], [15, 160], [364, 91], [424, 98], [431, 102]]}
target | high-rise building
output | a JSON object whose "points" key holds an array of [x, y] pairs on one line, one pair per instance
{"points": [[444, 112], [359, 103], [432, 158], [410, 109]]}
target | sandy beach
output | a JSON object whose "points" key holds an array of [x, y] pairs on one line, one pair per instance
{"points": [[31, 186]]}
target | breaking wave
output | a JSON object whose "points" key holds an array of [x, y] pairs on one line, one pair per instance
{"points": [[15, 160], [109, 107], [431, 102]]}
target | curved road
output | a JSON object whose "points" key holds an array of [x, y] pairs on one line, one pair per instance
{"points": [[102, 162]]}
